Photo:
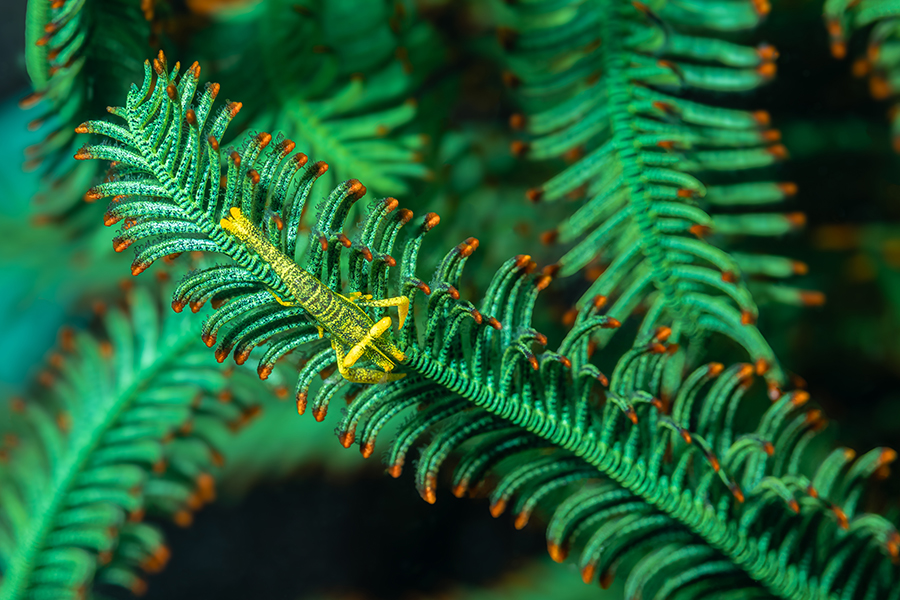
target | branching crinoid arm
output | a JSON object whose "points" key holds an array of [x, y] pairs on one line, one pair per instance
{"points": [[881, 63], [659, 477], [126, 424], [167, 183], [660, 176], [80, 56]]}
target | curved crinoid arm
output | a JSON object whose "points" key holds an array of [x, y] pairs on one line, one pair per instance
{"points": [[173, 187], [881, 62], [80, 56], [660, 481], [660, 177], [124, 425]]}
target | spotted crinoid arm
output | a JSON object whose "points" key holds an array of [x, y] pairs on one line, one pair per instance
{"points": [[672, 493], [172, 185], [664, 179]]}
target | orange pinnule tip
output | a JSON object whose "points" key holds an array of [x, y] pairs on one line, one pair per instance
{"points": [[686, 435], [367, 449], [355, 189], [510, 80], [404, 216], [138, 586], [138, 268], [551, 270], [190, 116], [221, 354], [611, 323], [557, 552], [779, 151], [587, 573], [843, 522], [428, 494], [657, 348], [796, 219], [254, 176], [497, 507], [729, 277], [518, 148], [632, 416], [183, 518], [569, 317], [714, 462], [767, 52], [534, 195], [714, 369], [767, 70], [346, 438], [888, 455], [762, 7], [813, 416], [517, 121], [799, 268], [761, 366], [762, 117], [839, 49], [812, 298], [396, 469], [477, 316], [460, 489], [320, 413], [799, 398], [172, 91], [893, 546], [83, 154], [83, 128], [768, 448], [745, 371], [861, 67], [522, 519], [264, 370], [606, 579], [685, 193], [495, 323], [263, 138], [794, 506], [879, 87], [453, 292], [788, 188], [301, 401], [548, 237], [747, 318], [234, 108], [667, 145], [771, 135], [213, 90], [431, 221], [543, 281], [599, 301], [699, 231]]}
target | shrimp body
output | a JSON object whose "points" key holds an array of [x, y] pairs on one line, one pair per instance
{"points": [[353, 334]]}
